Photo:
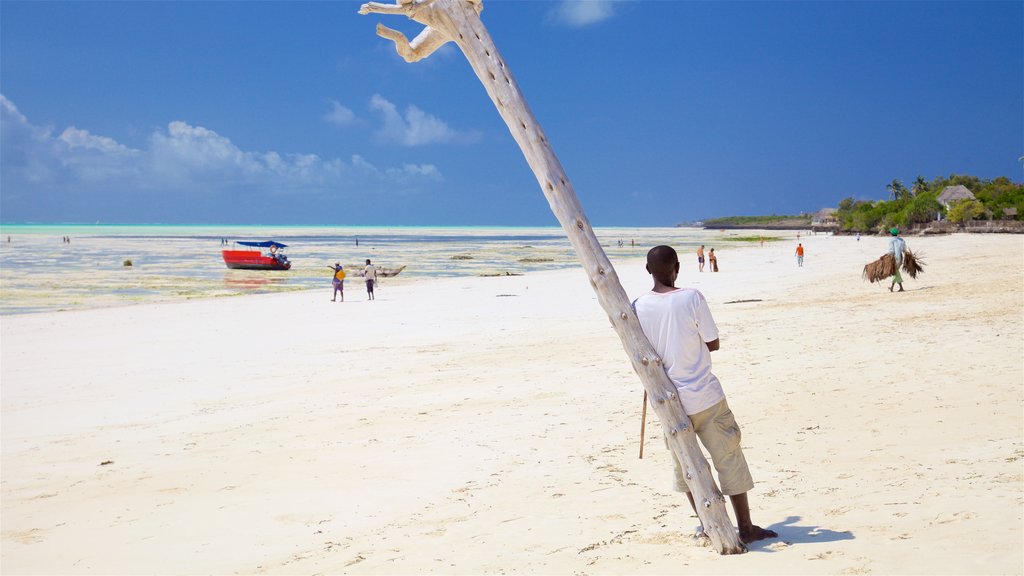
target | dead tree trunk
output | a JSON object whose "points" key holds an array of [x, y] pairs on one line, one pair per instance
{"points": [[459, 21]]}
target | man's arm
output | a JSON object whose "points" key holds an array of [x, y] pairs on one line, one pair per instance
{"points": [[713, 345]]}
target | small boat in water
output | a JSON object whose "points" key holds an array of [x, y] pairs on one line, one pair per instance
{"points": [[250, 259], [389, 272]]}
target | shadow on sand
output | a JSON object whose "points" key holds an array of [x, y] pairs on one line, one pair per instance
{"points": [[792, 533]]}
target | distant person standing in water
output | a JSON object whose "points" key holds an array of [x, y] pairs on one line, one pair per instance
{"points": [[338, 281], [370, 274], [700, 258]]}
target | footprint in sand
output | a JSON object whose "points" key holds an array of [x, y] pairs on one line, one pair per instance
{"points": [[825, 555], [44, 495], [944, 519], [30, 536]]}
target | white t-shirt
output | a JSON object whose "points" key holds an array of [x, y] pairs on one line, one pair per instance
{"points": [[370, 272], [678, 324], [896, 248]]}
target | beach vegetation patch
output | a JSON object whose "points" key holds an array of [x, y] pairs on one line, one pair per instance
{"points": [[462, 257], [535, 260], [965, 210], [927, 201], [127, 263], [767, 222], [751, 239]]}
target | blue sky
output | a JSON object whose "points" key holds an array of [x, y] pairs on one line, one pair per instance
{"points": [[660, 111]]}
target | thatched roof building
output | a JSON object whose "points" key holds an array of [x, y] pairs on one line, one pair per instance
{"points": [[824, 216], [951, 194]]}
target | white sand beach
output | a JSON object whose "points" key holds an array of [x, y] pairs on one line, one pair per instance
{"points": [[490, 425]]}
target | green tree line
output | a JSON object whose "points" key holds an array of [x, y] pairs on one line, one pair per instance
{"points": [[919, 204], [751, 221]]}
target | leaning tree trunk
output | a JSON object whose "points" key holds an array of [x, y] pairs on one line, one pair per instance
{"points": [[459, 21]]}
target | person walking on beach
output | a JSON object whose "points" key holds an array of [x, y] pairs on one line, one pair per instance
{"points": [[679, 324], [700, 258], [896, 247], [338, 281], [713, 260], [800, 255], [370, 274]]}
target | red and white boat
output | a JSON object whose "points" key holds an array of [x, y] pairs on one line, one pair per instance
{"points": [[254, 258]]}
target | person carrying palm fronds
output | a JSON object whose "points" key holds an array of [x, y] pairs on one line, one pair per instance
{"points": [[890, 263], [896, 247]]}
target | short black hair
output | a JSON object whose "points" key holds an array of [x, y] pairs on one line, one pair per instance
{"points": [[661, 259]]}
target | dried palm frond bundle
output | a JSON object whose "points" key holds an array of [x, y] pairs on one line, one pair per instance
{"points": [[880, 269], [912, 264]]}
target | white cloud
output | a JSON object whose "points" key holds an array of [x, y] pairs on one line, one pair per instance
{"points": [[405, 173], [579, 13], [76, 138], [191, 150], [428, 170], [15, 121], [416, 128], [28, 151], [339, 114], [181, 163]]}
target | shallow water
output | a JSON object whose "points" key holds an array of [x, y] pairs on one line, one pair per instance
{"points": [[39, 272]]}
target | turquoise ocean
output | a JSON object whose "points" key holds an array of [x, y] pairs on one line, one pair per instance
{"points": [[39, 272]]}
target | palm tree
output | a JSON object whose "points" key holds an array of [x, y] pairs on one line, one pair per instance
{"points": [[896, 189], [919, 186]]}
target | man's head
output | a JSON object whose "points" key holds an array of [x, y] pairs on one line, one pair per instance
{"points": [[663, 265], [894, 231], [367, 261]]}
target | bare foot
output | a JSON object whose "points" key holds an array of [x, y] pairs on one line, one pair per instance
{"points": [[755, 533]]}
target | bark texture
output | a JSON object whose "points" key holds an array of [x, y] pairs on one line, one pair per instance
{"points": [[459, 21]]}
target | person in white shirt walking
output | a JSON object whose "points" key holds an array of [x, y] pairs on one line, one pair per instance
{"points": [[370, 275], [679, 325]]}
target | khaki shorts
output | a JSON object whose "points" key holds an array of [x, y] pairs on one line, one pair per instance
{"points": [[718, 432]]}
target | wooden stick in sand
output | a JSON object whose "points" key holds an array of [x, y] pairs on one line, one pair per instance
{"points": [[643, 424], [459, 21]]}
